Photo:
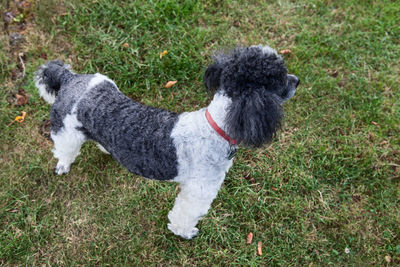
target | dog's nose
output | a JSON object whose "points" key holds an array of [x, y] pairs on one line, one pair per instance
{"points": [[296, 80]]}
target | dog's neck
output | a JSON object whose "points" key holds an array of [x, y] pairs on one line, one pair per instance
{"points": [[218, 109]]}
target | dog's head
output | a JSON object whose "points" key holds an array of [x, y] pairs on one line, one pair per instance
{"points": [[256, 80]]}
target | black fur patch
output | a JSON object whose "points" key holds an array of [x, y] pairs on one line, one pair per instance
{"points": [[137, 136], [212, 77], [53, 74], [254, 119]]}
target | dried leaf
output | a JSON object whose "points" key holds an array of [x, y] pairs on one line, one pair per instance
{"points": [[375, 123], [125, 45], [45, 128], [163, 53], [21, 97], [259, 248], [18, 118], [170, 83], [285, 51], [334, 73], [21, 118], [249, 238]]}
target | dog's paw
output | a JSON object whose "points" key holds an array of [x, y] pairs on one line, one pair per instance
{"points": [[61, 169], [186, 234]]}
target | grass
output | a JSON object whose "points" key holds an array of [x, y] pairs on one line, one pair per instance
{"points": [[330, 181]]}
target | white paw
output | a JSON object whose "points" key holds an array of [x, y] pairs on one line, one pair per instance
{"points": [[61, 168], [187, 234]]}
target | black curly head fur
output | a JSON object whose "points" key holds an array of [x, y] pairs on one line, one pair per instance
{"points": [[256, 80]]}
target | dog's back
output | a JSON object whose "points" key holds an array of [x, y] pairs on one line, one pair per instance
{"points": [[137, 136], [92, 107]]}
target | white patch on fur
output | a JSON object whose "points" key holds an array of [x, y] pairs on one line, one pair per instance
{"points": [[99, 78], [49, 98], [67, 143], [68, 140], [202, 165], [218, 109], [266, 49]]}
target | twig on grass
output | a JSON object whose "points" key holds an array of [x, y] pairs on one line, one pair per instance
{"points": [[20, 55]]}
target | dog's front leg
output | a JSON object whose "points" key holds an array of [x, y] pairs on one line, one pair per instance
{"points": [[191, 204]]}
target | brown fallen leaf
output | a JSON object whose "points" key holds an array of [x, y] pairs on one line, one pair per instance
{"points": [[285, 51], [170, 83], [334, 73], [21, 98], [259, 248], [45, 128], [125, 45], [249, 238], [375, 123]]}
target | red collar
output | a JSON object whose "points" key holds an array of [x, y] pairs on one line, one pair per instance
{"points": [[219, 130]]}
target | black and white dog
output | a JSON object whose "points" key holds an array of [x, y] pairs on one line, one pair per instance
{"points": [[195, 149]]}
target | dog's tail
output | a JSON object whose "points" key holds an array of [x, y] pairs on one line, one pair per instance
{"points": [[49, 78]]}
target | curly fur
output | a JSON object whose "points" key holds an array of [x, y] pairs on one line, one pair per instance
{"points": [[256, 80], [250, 86]]}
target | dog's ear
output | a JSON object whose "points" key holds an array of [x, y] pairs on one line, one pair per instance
{"points": [[254, 118], [212, 77]]}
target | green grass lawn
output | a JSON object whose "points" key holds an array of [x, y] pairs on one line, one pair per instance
{"points": [[325, 192]]}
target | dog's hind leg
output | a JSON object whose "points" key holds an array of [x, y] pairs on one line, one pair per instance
{"points": [[191, 204], [67, 143]]}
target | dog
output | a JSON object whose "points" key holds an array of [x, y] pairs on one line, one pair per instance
{"points": [[194, 149]]}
